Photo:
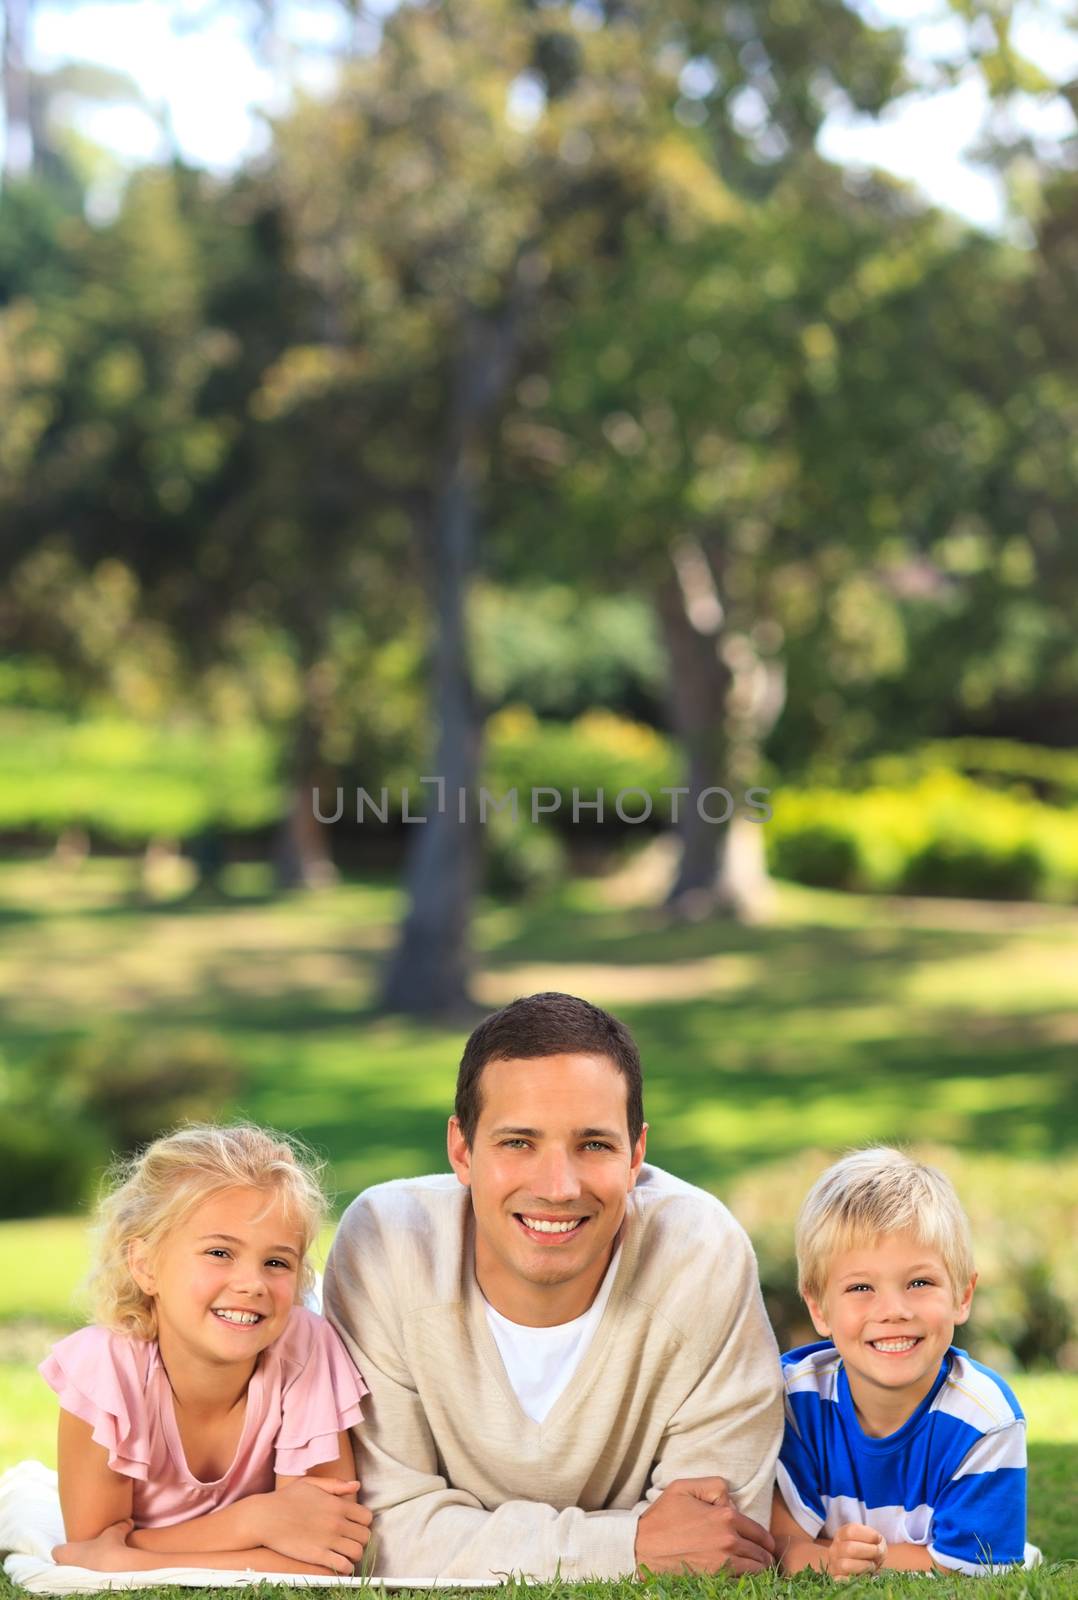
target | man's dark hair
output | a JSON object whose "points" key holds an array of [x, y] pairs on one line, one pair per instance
{"points": [[549, 1024]]}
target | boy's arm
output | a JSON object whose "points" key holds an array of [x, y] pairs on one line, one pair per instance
{"points": [[910, 1558], [795, 1550], [855, 1551]]}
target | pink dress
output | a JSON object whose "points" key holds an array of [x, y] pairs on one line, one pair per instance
{"points": [[303, 1392]]}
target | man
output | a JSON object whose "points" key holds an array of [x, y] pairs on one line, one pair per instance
{"points": [[570, 1366]]}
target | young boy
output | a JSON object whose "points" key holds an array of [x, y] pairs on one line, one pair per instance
{"points": [[899, 1451]]}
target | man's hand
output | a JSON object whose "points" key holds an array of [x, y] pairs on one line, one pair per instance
{"points": [[855, 1550], [313, 1520], [107, 1553], [694, 1526]]}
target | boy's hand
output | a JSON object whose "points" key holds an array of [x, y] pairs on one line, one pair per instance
{"points": [[856, 1550], [315, 1520]]}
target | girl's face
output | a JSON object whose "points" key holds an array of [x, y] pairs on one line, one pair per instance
{"points": [[224, 1280]]}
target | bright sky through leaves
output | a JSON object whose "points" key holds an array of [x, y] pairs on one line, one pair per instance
{"points": [[211, 85]]}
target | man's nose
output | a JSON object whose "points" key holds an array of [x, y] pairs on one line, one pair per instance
{"points": [[556, 1178]]}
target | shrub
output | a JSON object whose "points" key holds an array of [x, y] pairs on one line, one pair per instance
{"points": [[132, 1088], [946, 835], [598, 751], [952, 865], [522, 858], [1050, 775], [46, 1165], [1024, 1215], [129, 782], [823, 854]]}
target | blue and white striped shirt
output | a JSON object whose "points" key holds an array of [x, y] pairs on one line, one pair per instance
{"points": [[953, 1477]]}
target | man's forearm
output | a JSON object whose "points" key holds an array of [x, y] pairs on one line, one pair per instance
{"points": [[231, 1528], [436, 1536]]}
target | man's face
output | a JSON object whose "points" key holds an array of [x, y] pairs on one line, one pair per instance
{"points": [[549, 1170]]}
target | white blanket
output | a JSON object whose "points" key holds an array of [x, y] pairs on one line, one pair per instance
{"points": [[31, 1524]]}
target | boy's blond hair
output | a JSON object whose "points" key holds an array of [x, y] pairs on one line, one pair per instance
{"points": [[874, 1192], [157, 1189]]}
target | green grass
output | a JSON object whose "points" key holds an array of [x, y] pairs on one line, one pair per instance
{"points": [[955, 1021], [844, 1020]]}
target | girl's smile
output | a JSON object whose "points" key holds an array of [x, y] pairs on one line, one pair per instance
{"points": [[223, 1281]]}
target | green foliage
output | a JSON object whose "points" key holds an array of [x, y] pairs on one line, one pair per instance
{"points": [[941, 835], [521, 859], [69, 1109], [1023, 1213], [135, 1086], [129, 781], [562, 653], [1025, 769], [597, 751], [47, 1164]]}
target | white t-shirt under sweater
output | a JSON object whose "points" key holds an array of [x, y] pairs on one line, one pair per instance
{"points": [[540, 1361]]}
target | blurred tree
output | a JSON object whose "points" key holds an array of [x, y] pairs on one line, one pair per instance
{"points": [[184, 512], [491, 164]]}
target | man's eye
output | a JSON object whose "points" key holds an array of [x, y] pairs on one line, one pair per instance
{"points": [[597, 1144], [514, 1144]]}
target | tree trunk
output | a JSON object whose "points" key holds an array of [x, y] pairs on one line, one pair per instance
{"points": [[301, 854], [691, 616], [429, 972], [724, 701]]}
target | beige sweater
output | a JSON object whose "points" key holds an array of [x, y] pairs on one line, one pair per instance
{"points": [[681, 1380]]}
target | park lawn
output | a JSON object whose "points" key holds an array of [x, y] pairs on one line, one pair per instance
{"points": [[954, 1021]]}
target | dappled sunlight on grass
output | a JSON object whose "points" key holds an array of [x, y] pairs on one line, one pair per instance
{"points": [[950, 1026]]}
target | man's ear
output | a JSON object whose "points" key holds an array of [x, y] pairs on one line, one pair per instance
{"points": [[140, 1266], [460, 1155], [819, 1318], [965, 1302], [636, 1161]]}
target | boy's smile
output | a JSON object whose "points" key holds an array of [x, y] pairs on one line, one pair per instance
{"points": [[891, 1309]]}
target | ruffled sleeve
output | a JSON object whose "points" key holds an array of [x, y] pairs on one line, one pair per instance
{"points": [[320, 1396], [100, 1376]]}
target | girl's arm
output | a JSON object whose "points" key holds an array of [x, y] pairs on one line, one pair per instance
{"points": [[110, 1553], [92, 1496], [319, 1528]]}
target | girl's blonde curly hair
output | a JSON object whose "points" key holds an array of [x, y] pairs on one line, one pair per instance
{"points": [[155, 1190]]}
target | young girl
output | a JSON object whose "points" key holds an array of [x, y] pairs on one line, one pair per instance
{"points": [[205, 1415]]}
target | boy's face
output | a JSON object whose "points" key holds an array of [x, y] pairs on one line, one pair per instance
{"points": [[891, 1309]]}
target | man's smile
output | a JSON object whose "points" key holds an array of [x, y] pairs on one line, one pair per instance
{"points": [[546, 1229]]}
